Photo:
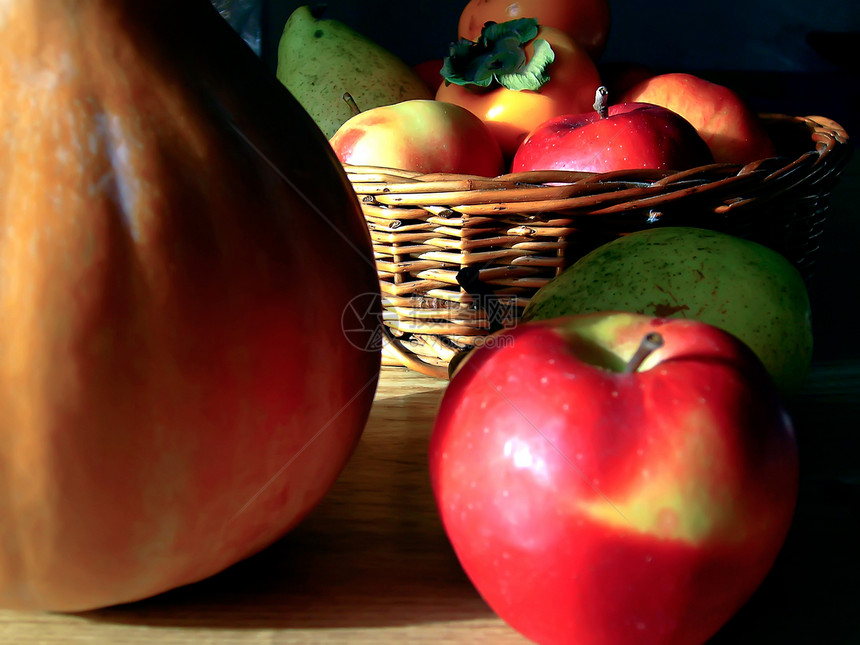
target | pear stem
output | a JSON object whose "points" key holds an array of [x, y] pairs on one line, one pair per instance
{"points": [[601, 101], [346, 96], [651, 342]]}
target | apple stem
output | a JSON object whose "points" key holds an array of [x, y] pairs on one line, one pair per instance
{"points": [[651, 342], [346, 96], [601, 101]]}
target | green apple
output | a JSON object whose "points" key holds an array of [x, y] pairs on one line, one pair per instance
{"points": [[735, 284]]}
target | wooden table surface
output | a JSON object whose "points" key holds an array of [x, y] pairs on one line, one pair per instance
{"points": [[372, 564]]}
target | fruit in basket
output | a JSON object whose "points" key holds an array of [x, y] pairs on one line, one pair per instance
{"points": [[593, 501], [586, 21], [738, 285], [321, 59], [425, 136], [516, 77], [732, 130], [616, 137], [166, 406]]}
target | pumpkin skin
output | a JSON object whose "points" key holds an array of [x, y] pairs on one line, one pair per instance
{"points": [[177, 246]]}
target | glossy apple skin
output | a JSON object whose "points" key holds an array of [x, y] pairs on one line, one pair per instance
{"points": [[733, 131], [425, 136], [597, 507], [633, 135]]}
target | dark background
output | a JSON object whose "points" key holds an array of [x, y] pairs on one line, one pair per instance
{"points": [[733, 34]]}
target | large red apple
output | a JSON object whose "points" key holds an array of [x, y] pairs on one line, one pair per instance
{"points": [[422, 135], [179, 250], [732, 130], [595, 497], [624, 136]]}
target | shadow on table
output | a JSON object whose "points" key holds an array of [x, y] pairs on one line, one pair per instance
{"points": [[812, 593], [372, 554]]}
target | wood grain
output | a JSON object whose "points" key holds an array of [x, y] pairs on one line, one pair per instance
{"points": [[372, 564]]}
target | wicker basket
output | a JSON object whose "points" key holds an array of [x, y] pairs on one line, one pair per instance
{"points": [[459, 255]]}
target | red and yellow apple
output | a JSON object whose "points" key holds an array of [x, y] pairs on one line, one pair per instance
{"points": [[596, 493], [732, 130], [421, 135]]}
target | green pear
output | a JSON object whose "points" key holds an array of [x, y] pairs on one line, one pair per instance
{"points": [[320, 60], [737, 285]]}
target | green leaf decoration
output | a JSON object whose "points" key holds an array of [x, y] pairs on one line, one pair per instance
{"points": [[468, 66], [498, 57], [523, 29], [533, 74]]}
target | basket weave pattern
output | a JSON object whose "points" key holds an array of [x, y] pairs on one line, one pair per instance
{"points": [[459, 256]]}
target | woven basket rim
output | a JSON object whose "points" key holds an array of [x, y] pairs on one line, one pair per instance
{"points": [[824, 131], [427, 226]]}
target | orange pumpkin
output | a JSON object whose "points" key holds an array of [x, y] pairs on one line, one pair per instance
{"points": [[512, 114], [177, 247], [586, 21]]}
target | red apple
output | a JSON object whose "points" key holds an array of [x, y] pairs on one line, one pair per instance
{"points": [[624, 136], [732, 130], [422, 135], [598, 498]]}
